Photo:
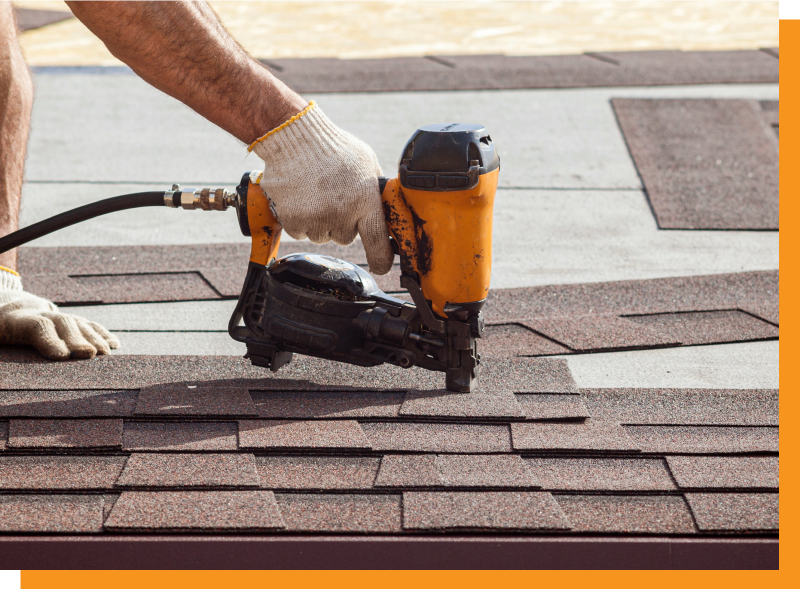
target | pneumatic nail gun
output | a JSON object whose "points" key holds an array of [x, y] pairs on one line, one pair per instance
{"points": [[439, 213]]}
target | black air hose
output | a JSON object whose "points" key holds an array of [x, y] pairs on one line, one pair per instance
{"points": [[90, 211]]}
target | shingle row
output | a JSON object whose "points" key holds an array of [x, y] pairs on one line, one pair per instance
{"points": [[303, 472], [414, 511]]}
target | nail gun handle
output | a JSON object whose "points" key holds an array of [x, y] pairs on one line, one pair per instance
{"points": [[257, 220]]}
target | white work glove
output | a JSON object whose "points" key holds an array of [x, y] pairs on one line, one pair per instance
{"points": [[26, 319], [323, 184]]}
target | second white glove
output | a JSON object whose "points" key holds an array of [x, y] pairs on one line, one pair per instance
{"points": [[323, 185]]}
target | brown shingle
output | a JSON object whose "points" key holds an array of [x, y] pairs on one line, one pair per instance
{"points": [[725, 472], [684, 406], [555, 406], [341, 513], [51, 513], [208, 436], [706, 327], [59, 472], [601, 474], [67, 403], [65, 433], [494, 510], [477, 404], [195, 398], [196, 511], [590, 435], [734, 511], [317, 472], [437, 437], [627, 514], [301, 434], [517, 340], [454, 470], [130, 288], [674, 439], [591, 333], [303, 405], [189, 470]]}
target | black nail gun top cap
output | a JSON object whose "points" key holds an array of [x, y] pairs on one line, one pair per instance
{"points": [[452, 156]]}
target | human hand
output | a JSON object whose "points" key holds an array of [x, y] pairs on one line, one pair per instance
{"points": [[323, 184], [26, 319]]}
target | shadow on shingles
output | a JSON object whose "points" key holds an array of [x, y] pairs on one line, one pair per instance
{"points": [[327, 403], [67, 403]]}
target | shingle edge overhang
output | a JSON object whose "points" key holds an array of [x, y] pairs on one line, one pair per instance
{"points": [[385, 552]]}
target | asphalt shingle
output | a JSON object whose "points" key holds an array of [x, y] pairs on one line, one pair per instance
{"points": [[591, 333], [182, 436], [725, 472], [627, 514], [684, 406], [200, 398], [3, 435], [59, 472], [67, 403], [128, 288], [493, 510], [77, 514], [189, 470], [591, 435], [601, 474], [437, 437], [341, 513], [328, 405], [674, 439], [454, 470], [447, 404], [517, 340], [65, 433], [344, 434], [556, 406], [707, 327], [317, 472], [195, 511], [734, 512]]}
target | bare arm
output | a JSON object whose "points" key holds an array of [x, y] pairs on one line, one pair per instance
{"points": [[182, 49]]}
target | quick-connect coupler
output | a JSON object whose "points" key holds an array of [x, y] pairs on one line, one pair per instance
{"points": [[206, 199]]}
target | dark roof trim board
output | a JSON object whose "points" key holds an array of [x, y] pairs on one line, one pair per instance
{"points": [[385, 552]]}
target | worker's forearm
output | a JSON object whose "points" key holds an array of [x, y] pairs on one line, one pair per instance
{"points": [[182, 49]]}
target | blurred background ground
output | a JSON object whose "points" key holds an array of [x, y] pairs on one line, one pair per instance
{"points": [[392, 28]]}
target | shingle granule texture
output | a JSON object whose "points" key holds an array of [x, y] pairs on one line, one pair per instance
{"points": [[684, 406], [65, 433], [328, 405], [317, 472], [127, 288], [725, 472], [589, 333], [704, 327], [591, 435], [3, 435], [748, 291], [627, 514], [341, 513], [61, 289], [444, 404], [454, 470], [734, 511], [59, 472], [204, 399], [705, 163], [601, 474], [196, 510], [51, 513], [301, 434], [493, 510], [674, 439], [28, 370], [189, 470], [186, 436], [438, 437], [67, 403], [517, 340], [557, 406]]}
